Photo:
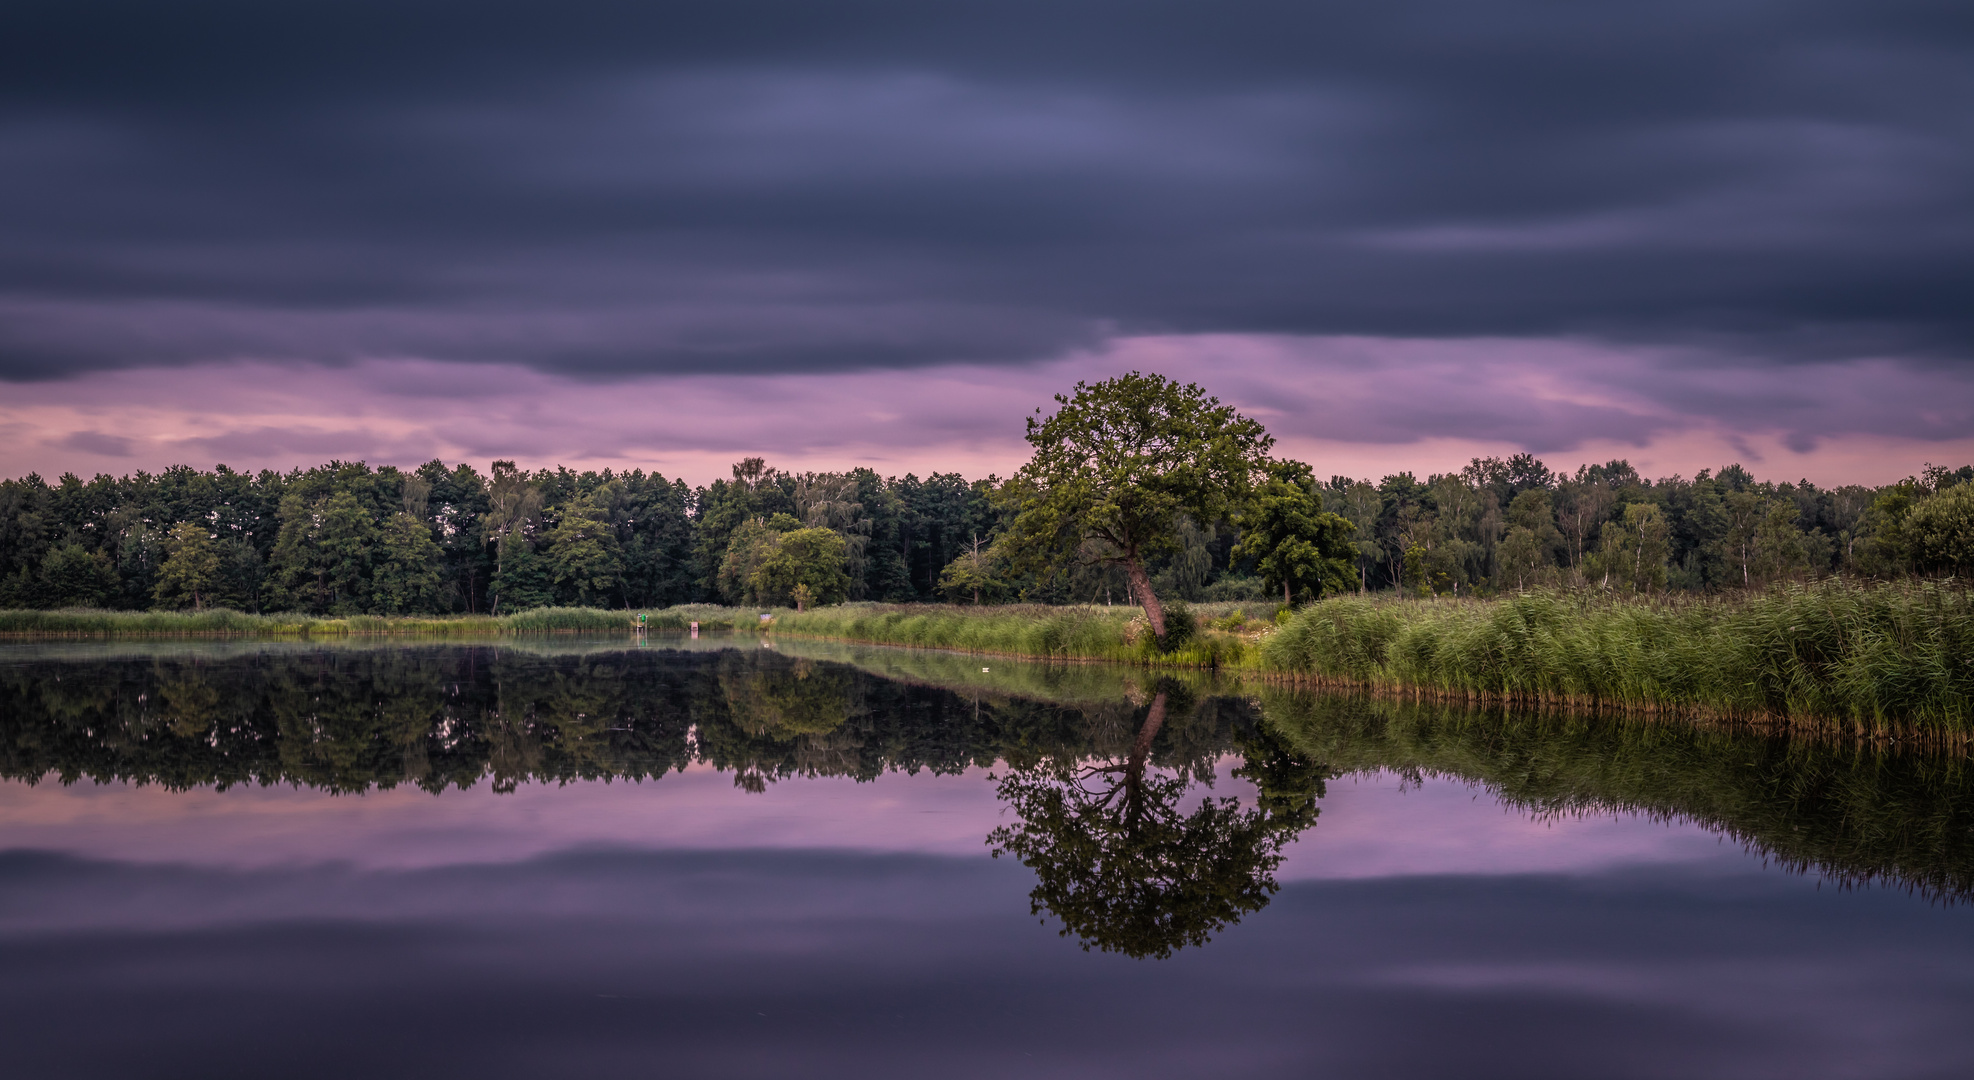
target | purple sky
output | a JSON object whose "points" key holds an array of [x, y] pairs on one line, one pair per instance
{"points": [[668, 235]]}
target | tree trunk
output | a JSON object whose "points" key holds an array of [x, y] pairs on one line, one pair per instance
{"points": [[1134, 769], [1285, 592], [1134, 572]]}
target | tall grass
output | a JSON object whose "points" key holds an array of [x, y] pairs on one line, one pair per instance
{"points": [[1878, 657], [88, 623], [1033, 631]]}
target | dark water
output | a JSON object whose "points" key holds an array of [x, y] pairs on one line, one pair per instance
{"points": [[714, 859]]}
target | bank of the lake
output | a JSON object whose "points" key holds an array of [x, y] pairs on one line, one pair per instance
{"points": [[1871, 658], [222, 623], [1883, 659]]}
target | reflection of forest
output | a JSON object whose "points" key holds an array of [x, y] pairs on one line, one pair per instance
{"points": [[444, 716], [449, 716]]}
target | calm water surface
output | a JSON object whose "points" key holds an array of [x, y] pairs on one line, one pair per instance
{"points": [[713, 858]]}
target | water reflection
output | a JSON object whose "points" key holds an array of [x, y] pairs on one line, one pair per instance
{"points": [[1125, 868], [1108, 776]]}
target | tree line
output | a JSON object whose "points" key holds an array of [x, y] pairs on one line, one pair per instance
{"points": [[1196, 511]]}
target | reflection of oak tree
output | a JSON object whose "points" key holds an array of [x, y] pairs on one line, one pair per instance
{"points": [[1125, 870]]}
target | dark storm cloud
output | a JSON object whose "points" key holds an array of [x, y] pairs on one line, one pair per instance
{"points": [[601, 188]]}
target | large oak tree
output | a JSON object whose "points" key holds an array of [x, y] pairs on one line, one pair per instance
{"points": [[1117, 467]]}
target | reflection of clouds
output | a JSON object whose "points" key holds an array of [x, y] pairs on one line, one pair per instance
{"points": [[1375, 826], [835, 964], [1368, 828]]}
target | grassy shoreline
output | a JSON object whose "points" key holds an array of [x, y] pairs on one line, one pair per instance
{"points": [[21, 625], [1074, 634], [1872, 659], [1868, 659]]}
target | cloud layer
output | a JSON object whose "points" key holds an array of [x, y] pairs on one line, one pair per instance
{"points": [[1736, 214], [1356, 406]]}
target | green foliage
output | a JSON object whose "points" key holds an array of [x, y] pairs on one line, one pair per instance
{"points": [[73, 576], [1880, 658], [1088, 632], [322, 557], [1634, 550], [324, 541], [406, 578], [747, 549], [190, 569], [1181, 631], [1014, 630], [523, 580], [345, 543], [1938, 533], [812, 560], [584, 558], [1117, 468], [1297, 548], [974, 574]]}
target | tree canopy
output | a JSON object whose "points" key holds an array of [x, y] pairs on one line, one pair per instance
{"points": [[1117, 468], [1296, 546], [347, 538]]}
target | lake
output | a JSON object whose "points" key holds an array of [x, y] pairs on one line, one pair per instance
{"points": [[724, 858]]}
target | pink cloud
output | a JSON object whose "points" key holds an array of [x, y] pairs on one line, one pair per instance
{"points": [[1357, 406]]}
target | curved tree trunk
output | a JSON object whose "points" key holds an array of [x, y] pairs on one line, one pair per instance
{"points": [[1134, 767], [1141, 589]]}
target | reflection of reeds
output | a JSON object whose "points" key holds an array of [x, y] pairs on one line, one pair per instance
{"points": [[1853, 811], [1877, 659], [1893, 659], [357, 715]]}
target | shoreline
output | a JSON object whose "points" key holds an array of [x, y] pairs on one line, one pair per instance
{"points": [[1875, 661]]}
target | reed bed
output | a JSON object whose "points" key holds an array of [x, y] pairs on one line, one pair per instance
{"points": [[1028, 631], [1878, 659], [1882, 658]]}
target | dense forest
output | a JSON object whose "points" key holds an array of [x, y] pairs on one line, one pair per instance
{"points": [[345, 538]]}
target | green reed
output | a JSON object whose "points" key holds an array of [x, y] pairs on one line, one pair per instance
{"points": [[1033, 631], [1877, 656]]}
